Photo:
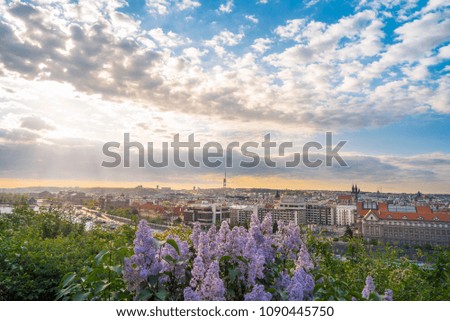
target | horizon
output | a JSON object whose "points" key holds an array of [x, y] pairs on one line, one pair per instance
{"points": [[181, 187]]}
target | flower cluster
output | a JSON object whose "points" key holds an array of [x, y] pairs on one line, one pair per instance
{"points": [[266, 262], [369, 288], [152, 262]]}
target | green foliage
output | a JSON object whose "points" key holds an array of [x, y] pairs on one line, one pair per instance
{"points": [[38, 249], [183, 232], [343, 278], [125, 212], [101, 281]]}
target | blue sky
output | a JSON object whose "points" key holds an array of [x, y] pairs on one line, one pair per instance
{"points": [[77, 74]]}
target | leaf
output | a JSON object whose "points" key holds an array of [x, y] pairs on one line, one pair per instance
{"points": [[224, 258], [144, 295], [81, 297], [98, 258], [101, 287], [162, 294], [232, 273], [169, 259], [153, 280], [174, 245], [242, 259], [117, 269], [67, 279]]}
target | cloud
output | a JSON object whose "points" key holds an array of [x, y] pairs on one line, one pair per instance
{"points": [[251, 18], [35, 123], [321, 75], [188, 4], [18, 136], [164, 7], [226, 7], [261, 45]]}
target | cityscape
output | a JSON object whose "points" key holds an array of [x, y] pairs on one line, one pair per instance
{"points": [[227, 150], [400, 219]]}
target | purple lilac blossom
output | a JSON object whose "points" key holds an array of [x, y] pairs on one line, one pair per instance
{"points": [[258, 294], [368, 288], [178, 270], [212, 287], [191, 295], [303, 259], [195, 235], [388, 295], [296, 287], [198, 272], [146, 261]]}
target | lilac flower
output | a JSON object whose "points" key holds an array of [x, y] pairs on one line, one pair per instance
{"points": [[145, 262], [283, 281], [178, 270], [296, 287], [191, 295], [195, 235], [258, 294], [239, 236], [288, 240], [224, 239], [255, 229], [301, 286], [267, 225], [212, 287], [203, 248], [303, 259], [256, 267], [388, 295], [198, 271], [368, 288]]}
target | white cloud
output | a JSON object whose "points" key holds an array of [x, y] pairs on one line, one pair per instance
{"points": [[413, 43], [291, 29], [261, 45], [252, 18], [188, 4], [160, 7], [163, 7], [322, 79], [440, 101], [226, 7]]}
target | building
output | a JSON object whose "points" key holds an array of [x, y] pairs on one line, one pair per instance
{"points": [[345, 215], [242, 214], [285, 215], [292, 203], [404, 224], [344, 199], [320, 214], [206, 214]]}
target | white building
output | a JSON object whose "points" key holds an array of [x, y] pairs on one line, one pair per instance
{"points": [[345, 214]]}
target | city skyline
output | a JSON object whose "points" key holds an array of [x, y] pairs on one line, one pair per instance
{"points": [[75, 75]]}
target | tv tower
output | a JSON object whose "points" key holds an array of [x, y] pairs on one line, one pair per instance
{"points": [[225, 179]]}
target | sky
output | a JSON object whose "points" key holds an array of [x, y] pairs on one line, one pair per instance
{"points": [[75, 75]]}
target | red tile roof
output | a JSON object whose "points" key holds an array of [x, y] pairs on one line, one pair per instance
{"points": [[422, 213]]}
